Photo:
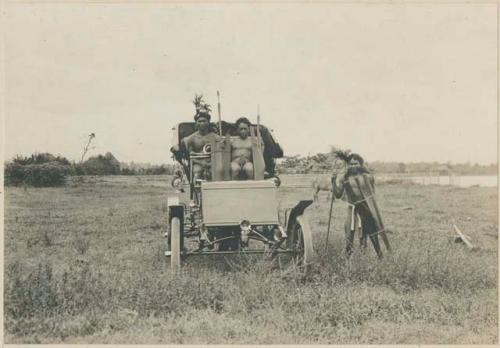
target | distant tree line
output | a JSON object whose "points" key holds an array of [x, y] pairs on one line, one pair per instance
{"points": [[324, 162], [45, 169], [146, 169], [434, 167]]}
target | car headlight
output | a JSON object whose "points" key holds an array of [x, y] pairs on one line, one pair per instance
{"points": [[177, 183]]}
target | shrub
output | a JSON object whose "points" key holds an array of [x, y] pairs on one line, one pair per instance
{"points": [[38, 175], [77, 169], [146, 169], [99, 165], [40, 158], [158, 170], [14, 174], [128, 171]]}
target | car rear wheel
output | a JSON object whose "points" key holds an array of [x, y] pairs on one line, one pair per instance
{"points": [[175, 244]]}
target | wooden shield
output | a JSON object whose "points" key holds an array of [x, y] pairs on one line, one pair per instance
{"points": [[221, 159], [360, 191], [257, 155]]}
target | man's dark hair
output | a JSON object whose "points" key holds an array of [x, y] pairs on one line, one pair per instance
{"points": [[202, 114], [356, 170], [356, 157], [242, 120]]}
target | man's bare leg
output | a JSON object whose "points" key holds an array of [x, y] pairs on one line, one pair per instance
{"points": [[235, 170], [349, 235], [197, 172], [248, 169]]}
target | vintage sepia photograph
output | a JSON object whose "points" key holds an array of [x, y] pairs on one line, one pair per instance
{"points": [[250, 172]]}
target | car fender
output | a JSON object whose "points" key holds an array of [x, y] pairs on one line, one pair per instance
{"points": [[292, 214]]}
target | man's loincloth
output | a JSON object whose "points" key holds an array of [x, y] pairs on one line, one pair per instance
{"points": [[354, 216], [241, 161]]}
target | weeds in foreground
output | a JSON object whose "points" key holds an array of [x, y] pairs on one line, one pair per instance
{"points": [[342, 294], [109, 282], [81, 244]]}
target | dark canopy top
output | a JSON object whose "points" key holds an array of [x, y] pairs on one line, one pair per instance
{"points": [[271, 148]]}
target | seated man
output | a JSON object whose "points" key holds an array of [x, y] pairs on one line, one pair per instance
{"points": [[241, 152], [196, 142]]}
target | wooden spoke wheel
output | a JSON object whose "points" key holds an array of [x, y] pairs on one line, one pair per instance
{"points": [[174, 244]]}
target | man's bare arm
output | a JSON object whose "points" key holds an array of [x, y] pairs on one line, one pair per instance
{"points": [[179, 151], [337, 187]]}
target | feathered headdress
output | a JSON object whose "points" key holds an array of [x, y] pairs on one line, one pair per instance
{"points": [[202, 108], [200, 105], [347, 156], [342, 155]]}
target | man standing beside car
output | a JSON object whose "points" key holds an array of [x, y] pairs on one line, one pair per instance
{"points": [[357, 211]]}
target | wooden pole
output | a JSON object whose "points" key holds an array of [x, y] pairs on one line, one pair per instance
{"points": [[259, 164], [259, 143], [258, 126], [463, 237], [329, 218], [218, 111]]}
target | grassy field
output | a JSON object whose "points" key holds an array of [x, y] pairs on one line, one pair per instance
{"points": [[84, 264]]}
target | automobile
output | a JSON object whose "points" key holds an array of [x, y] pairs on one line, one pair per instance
{"points": [[215, 215]]}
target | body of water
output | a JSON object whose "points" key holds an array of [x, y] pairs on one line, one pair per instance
{"points": [[462, 181]]}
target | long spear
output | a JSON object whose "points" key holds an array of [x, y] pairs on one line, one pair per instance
{"points": [[330, 217], [331, 208], [218, 111], [258, 128]]}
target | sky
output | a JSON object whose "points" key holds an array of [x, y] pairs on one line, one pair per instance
{"points": [[400, 82]]}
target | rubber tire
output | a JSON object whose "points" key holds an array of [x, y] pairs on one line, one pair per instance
{"points": [[175, 244], [303, 234]]}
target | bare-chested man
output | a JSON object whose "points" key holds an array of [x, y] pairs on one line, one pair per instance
{"points": [[196, 142], [356, 208], [241, 152]]}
